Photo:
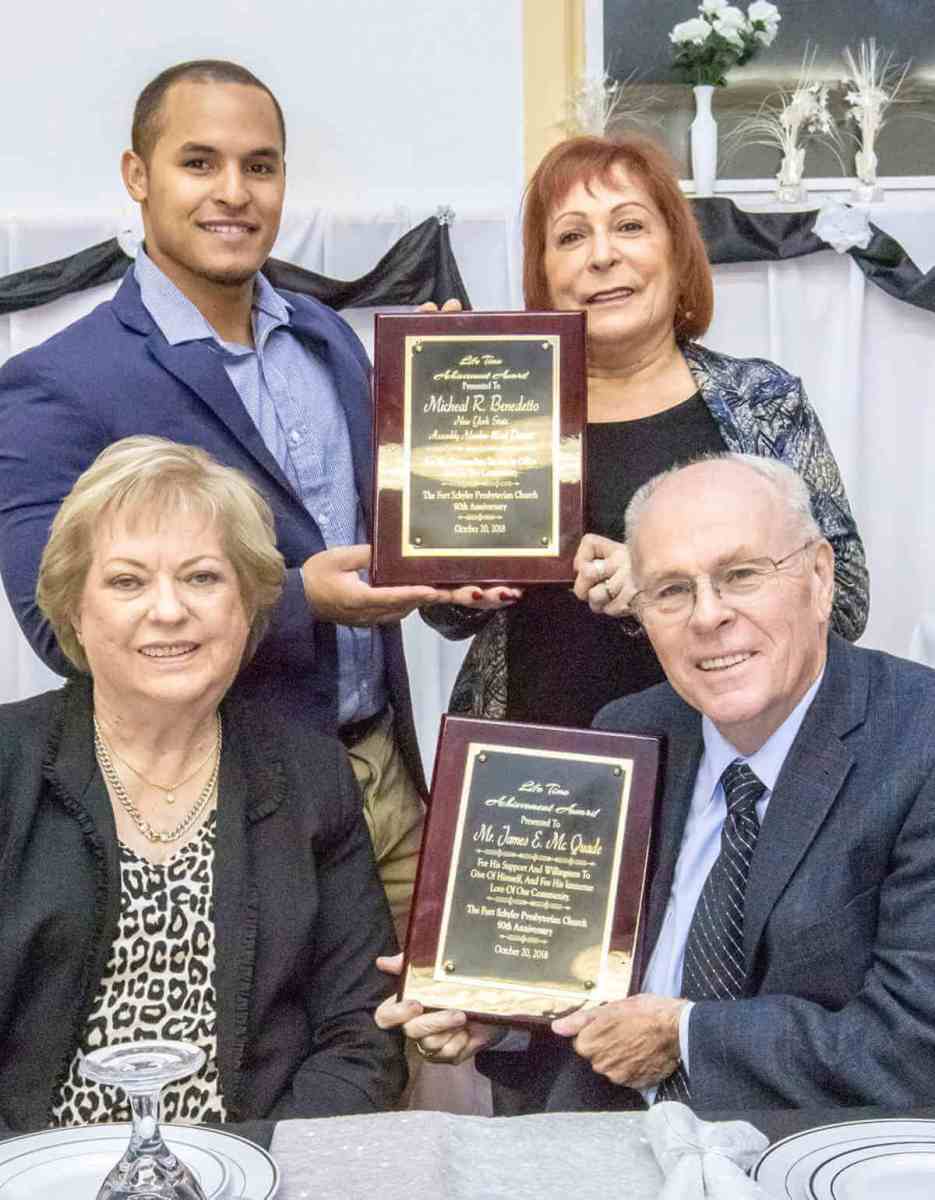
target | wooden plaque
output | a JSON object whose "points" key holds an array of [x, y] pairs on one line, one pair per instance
{"points": [[533, 870], [478, 447]]}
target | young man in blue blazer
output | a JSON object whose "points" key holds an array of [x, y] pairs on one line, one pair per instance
{"points": [[197, 346]]}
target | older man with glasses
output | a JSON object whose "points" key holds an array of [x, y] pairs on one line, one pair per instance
{"points": [[792, 904]]}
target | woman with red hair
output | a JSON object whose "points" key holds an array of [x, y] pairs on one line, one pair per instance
{"points": [[608, 231]]}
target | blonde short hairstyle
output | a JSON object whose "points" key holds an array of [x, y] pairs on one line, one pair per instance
{"points": [[146, 478]]}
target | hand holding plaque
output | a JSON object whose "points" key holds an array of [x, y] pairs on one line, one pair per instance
{"points": [[532, 872], [479, 422]]}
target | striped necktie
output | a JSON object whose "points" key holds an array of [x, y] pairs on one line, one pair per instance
{"points": [[714, 966]]}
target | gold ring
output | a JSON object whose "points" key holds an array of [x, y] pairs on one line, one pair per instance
{"points": [[428, 1055]]}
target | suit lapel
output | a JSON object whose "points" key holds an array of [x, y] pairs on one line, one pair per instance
{"points": [[196, 366], [683, 754], [351, 378], [251, 787], [808, 785]]}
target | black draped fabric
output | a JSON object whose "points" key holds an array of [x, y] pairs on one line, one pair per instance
{"points": [[103, 263], [733, 236], [420, 266], [886, 264]]}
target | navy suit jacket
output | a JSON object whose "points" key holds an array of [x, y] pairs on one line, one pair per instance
{"points": [[113, 374], [839, 924]]}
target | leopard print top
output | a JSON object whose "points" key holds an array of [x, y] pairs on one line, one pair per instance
{"points": [[158, 983]]}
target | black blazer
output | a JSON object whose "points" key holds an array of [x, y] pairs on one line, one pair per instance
{"points": [[299, 916]]}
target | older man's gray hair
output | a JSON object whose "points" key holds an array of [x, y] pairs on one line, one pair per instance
{"points": [[789, 485]]}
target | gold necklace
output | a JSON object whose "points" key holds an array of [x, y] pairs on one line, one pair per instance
{"points": [[169, 791], [109, 772]]}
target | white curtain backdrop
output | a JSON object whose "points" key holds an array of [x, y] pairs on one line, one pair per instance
{"points": [[867, 361]]}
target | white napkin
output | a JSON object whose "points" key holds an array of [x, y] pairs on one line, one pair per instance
{"points": [[703, 1159]]}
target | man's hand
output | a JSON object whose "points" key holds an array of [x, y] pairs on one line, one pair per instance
{"points": [[602, 575], [444, 1037], [633, 1042], [335, 591]]}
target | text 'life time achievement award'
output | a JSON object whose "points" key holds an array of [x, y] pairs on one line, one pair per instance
{"points": [[533, 870], [478, 447]]}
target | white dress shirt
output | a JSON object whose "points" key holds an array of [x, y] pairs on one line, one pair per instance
{"points": [[701, 844]]}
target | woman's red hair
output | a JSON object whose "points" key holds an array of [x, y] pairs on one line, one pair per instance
{"points": [[584, 159]]}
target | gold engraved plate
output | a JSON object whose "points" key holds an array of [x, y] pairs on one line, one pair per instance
{"points": [[482, 455], [529, 908]]}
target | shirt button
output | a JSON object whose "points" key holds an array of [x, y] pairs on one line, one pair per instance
{"points": [[295, 437]]}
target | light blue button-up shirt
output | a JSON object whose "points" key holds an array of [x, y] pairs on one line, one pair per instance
{"points": [[291, 398]]}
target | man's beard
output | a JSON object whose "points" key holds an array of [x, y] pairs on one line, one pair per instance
{"points": [[232, 278]]}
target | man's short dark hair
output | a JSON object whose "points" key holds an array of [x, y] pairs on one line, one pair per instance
{"points": [[147, 122]]}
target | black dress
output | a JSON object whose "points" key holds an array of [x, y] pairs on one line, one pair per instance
{"points": [[564, 662]]}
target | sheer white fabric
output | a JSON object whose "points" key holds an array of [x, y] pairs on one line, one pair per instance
{"points": [[866, 360]]}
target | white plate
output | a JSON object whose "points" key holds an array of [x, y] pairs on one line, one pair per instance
{"points": [[787, 1167], [73, 1161], [905, 1170]]}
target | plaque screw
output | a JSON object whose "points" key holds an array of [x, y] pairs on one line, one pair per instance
{"points": [[543, 541], [618, 770], [589, 985], [417, 346], [417, 541], [546, 345], [449, 967], [482, 757]]}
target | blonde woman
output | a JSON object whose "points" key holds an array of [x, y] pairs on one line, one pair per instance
{"points": [[174, 865]]}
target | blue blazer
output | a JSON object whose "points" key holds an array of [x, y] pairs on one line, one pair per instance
{"points": [[839, 925], [112, 374]]}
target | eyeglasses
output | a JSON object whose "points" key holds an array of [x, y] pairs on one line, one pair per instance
{"points": [[673, 600]]}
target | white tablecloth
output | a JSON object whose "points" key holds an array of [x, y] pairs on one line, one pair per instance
{"points": [[435, 1156]]}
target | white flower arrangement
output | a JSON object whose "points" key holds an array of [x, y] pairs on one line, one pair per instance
{"points": [[871, 85], [594, 105], [707, 46], [789, 120]]}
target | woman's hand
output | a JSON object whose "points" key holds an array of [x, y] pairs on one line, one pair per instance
{"points": [[450, 306], [474, 596], [442, 1037], [602, 575]]}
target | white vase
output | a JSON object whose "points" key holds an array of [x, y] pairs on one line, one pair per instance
{"points": [[704, 142], [867, 189], [789, 186]]}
